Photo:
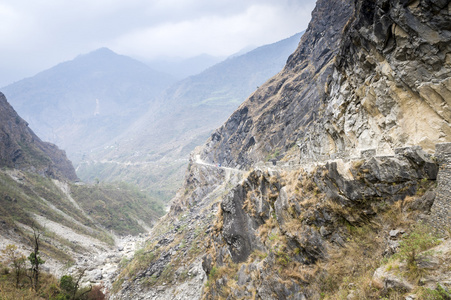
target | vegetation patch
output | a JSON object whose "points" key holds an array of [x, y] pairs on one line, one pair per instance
{"points": [[118, 206], [22, 278]]}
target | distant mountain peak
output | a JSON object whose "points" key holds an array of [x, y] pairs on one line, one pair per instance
{"points": [[104, 50], [100, 52], [60, 103]]}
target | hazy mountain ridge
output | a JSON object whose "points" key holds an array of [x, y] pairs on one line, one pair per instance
{"points": [[236, 77], [83, 103], [182, 68]]}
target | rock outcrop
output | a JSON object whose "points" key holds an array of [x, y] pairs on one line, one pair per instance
{"points": [[20, 148], [391, 86]]}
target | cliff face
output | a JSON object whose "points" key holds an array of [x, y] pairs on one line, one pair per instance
{"points": [[20, 148], [391, 85], [372, 75]]}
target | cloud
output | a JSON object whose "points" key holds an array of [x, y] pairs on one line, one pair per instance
{"points": [[219, 34], [39, 34]]}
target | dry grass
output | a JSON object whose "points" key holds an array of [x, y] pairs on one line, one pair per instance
{"points": [[357, 164], [48, 289], [8, 291], [397, 216], [299, 181], [219, 221], [350, 269], [303, 274], [275, 180], [293, 226], [292, 181], [351, 266], [265, 229], [336, 207], [227, 271], [257, 255], [248, 205]]}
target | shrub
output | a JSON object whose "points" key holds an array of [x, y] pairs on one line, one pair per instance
{"points": [[16, 260], [413, 244], [67, 284], [438, 294]]}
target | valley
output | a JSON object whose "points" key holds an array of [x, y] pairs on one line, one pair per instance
{"points": [[328, 177]]}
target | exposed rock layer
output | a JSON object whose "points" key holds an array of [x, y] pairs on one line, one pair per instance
{"points": [[392, 85]]}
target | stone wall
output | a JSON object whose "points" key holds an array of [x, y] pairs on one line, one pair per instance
{"points": [[441, 210]]}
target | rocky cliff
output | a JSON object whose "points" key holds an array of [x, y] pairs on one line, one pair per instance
{"points": [[391, 85], [20, 148], [344, 208], [375, 74]]}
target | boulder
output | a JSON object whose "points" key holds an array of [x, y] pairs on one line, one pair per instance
{"points": [[390, 281]]}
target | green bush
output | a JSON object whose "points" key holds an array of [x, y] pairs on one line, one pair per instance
{"points": [[67, 284]]}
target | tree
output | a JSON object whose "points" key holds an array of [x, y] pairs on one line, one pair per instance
{"points": [[16, 260], [35, 260], [72, 288]]}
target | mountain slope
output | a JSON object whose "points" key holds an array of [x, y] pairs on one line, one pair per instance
{"points": [[20, 148], [182, 68], [349, 197], [232, 80], [190, 109], [79, 223], [83, 103]]}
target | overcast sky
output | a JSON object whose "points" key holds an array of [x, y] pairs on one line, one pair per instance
{"points": [[38, 34]]}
